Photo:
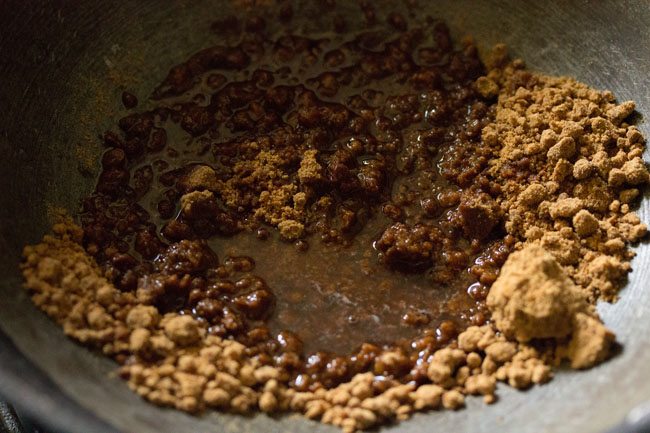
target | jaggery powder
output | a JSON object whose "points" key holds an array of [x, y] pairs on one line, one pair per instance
{"points": [[500, 197]]}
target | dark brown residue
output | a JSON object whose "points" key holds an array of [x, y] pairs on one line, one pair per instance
{"points": [[363, 150]]}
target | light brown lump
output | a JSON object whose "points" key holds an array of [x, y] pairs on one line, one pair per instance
{"points": [[534, 298]]}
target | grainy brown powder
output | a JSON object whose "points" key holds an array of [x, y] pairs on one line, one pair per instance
{"points": [[570, 169]]}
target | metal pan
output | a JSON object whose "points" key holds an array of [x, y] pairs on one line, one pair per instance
{"points": [[61, 67]]}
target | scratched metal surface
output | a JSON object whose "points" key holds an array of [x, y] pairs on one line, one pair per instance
{"points": [[56, 62]]}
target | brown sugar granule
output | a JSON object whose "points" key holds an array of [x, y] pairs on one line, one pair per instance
{"points": [[310, 171], [290, 229], [564, 172], [182, 330], [486, 87], [585, 223], [200, 177], [534, 194]]}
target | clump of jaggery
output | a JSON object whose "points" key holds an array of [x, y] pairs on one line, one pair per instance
{"points": [[570, 170], [533, 298], [262, 183]]}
